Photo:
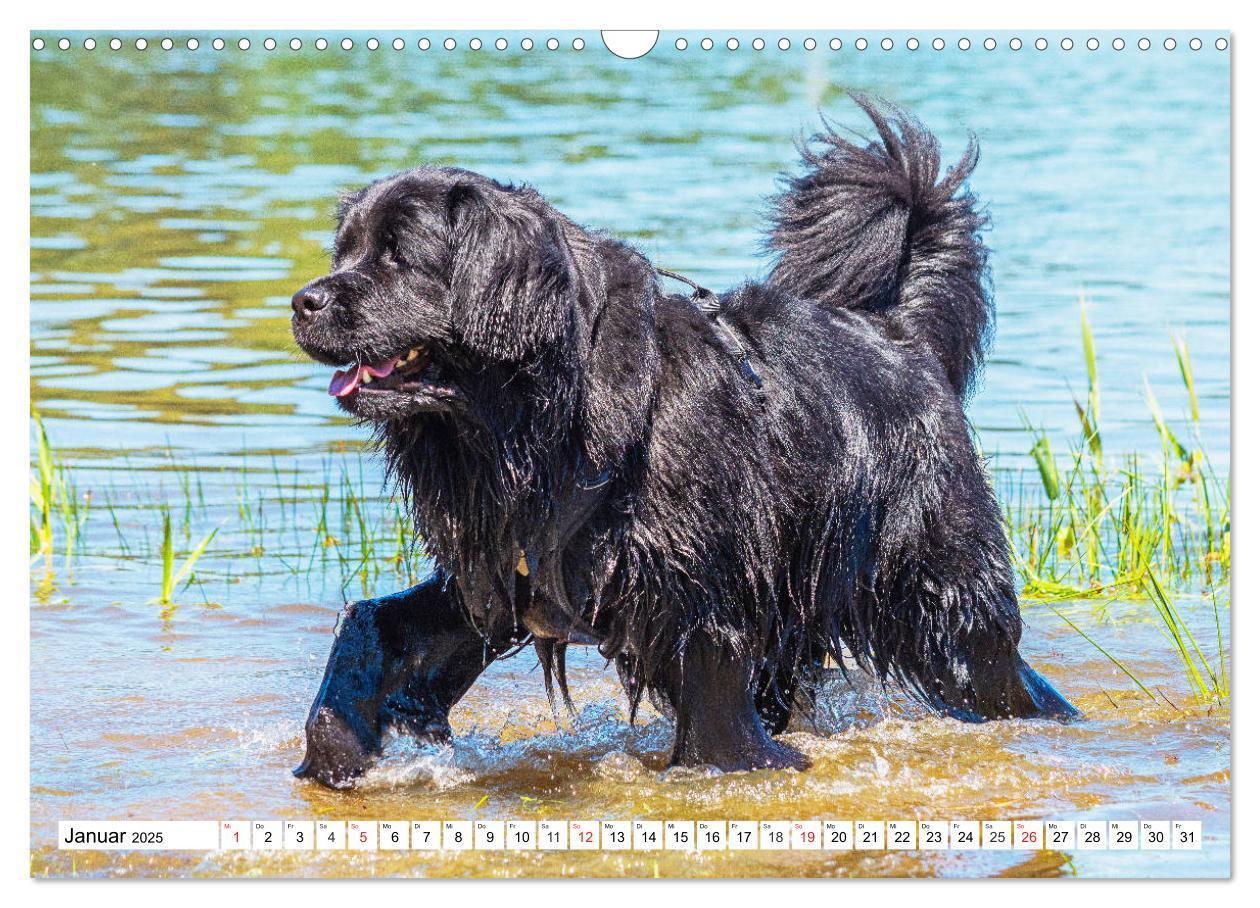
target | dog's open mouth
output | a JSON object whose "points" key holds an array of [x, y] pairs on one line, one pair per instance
{"points": [[414, 371]]}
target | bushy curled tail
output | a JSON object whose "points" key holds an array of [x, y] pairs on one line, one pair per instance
{"points": [[876, 227]]}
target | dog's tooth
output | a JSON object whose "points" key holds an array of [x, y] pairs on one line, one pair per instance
{"points": [[412, 354], [367, 378]]}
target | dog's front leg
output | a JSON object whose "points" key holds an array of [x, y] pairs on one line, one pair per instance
{"points": [[716, 721], [401, 660]]}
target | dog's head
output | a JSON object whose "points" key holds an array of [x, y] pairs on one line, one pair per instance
{"points": [[447, 291]]}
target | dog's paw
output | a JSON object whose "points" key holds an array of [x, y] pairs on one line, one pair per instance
{"points": [[335, 754]]}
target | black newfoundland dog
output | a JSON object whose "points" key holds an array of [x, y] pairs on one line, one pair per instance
{"points": [[720, 492]]}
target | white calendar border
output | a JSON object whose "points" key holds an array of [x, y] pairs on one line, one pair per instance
{"points": [[1067, 15]]}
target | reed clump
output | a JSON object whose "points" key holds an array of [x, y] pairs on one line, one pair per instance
{"points": [[1129, 527], [58, 512], [1094, 525]]}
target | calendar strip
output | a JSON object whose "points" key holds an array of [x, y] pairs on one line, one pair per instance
{"points": [[693, 836]]}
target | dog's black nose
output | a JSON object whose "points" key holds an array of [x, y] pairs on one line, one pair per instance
{"points": [[309, 300]]}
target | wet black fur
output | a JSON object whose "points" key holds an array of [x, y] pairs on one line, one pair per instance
{"points": [[719, 541]]}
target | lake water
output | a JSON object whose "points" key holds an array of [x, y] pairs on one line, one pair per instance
{"points": [[178, 198]]}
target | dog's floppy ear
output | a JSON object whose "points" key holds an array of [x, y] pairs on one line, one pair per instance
{"points": [[512, 278]]}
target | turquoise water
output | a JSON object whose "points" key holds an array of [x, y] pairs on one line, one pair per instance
{"points": [[178, 199], [187, 194]]}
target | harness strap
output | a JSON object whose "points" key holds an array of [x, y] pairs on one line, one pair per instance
{"points": [[728, 338]]}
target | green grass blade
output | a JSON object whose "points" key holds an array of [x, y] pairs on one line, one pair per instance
{"points": [[1182, 350], [191, 560], [1091, 366], [168, 559], [1114, 661], [1152, 404], [1046, 466]]}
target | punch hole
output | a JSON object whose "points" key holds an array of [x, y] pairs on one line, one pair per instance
{"points": [[784, 44], [810, 44], [243, 44], [449, 43], [501, 44], [1066, 44], [191, 44], [1196, 44], [167, 44], [681, 44], [732, 44], [836, 44], [706, 44], [1041, 44], [141, 44], [631, 44], [373, 44], [886, 44], [1170, 44], [990, 44], [1118, 44], [1144, 44], [295, 44], [89, 44], [475, 44], [1092, 44], [1221, 44], [115, 44], [860, 44], [552, 44], [527, 44], [64, 44], [578, 44], [938, 44], [964, 44], [347, 44], [38, 44], [912, 43], [424, 44], [759, 44], [219, 44], [1016, 44], [270, 44]]}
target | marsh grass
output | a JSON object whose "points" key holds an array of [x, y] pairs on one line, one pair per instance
{"points": [[172, 576], [1083, 524], [1128, 527], [56, 508], [1102, 526], [220, 525]]}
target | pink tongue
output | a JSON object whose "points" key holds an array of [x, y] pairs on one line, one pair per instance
{"points": [[344, 381], [347, 381]]}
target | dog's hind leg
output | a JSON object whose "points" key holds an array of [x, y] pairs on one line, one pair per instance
{"points": [[986, 678], [716, 723], [402, 660], [962, 655]]}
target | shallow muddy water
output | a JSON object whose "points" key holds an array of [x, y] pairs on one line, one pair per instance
{"points": [[201, 717], [179, 198]]}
